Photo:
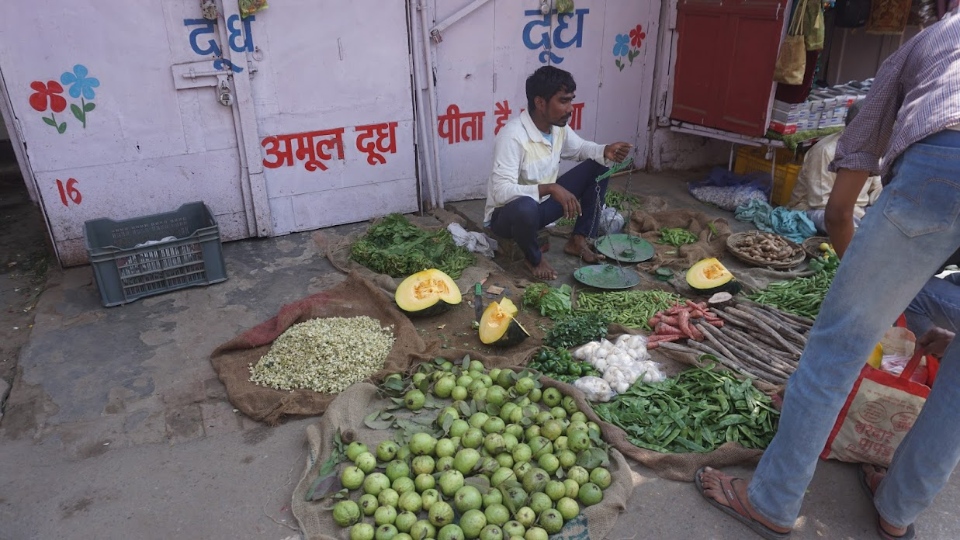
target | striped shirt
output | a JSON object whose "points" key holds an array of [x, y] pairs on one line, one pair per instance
{"points": [[915, 94]]}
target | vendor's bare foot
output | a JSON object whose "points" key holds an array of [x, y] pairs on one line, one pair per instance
{"points": [[730, 495], [873, 475], [542, 271], [578, 246]]}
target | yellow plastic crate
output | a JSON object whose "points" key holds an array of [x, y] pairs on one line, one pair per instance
{"points": [[753, 159]]}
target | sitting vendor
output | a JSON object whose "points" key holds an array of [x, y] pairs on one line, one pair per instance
{"points": [[815, 181], [524, 194]]}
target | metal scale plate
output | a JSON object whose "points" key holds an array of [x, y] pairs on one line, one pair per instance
{"points": [[606, 276], [625, 248]]}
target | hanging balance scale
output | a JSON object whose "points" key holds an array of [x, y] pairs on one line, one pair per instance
{"points": [[617, 247]]}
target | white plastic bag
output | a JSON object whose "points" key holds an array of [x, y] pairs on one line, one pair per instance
{"points": [[475, 242]]}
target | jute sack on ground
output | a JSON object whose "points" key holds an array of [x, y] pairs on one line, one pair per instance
{"points": [[347, 412], [710, 243], [670, 466], [353, 297]]}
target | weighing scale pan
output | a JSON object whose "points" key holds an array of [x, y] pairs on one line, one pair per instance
{"points": [[625, 248], [606, 276]]}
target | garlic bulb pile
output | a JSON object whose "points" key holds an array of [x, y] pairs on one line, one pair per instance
{"points": [[622, 362]]}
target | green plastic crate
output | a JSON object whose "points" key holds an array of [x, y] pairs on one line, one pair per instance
{"points": [[151, 255]]}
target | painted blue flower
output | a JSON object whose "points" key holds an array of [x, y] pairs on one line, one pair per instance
{"points": [[620, 48], [79, 82]]}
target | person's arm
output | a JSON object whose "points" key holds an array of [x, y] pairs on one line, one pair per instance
{"points": [[821, 179], [865, 140], [935, 341], [504, 183], [579, 149], [839, 213]]}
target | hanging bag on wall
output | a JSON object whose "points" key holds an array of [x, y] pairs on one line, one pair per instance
{"points": [[792, 60]]}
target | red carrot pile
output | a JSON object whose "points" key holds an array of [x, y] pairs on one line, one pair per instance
{"points": [[679, 322]]}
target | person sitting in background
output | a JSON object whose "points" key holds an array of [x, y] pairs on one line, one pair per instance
{"points": [[815, 180], [524, 194], [934, 314]]}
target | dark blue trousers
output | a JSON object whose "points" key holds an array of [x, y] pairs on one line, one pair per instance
{"points": [[521, 218]]}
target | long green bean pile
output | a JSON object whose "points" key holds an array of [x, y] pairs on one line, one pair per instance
{"points": [[801, 296], [628, 308], [697, 411]]}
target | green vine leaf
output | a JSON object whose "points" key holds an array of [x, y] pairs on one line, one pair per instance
{"points": [[62, 127], [89, 107], [50, 121], [77, 112]]}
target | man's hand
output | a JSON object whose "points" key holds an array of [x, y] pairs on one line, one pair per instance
{"points": [[617, 152], [935, 341], [568, 201]]}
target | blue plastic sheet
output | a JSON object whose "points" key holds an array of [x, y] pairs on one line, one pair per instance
{"points": [[791, 224]]}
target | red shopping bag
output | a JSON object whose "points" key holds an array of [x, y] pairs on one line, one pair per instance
{"points": [[879, 411]]}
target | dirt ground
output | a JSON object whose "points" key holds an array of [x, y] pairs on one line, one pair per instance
{"points": [[25, 257]]}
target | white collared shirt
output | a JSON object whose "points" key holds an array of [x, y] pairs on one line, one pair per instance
{"points": [[523, 159]]}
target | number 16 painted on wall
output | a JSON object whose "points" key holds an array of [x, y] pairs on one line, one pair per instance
{"points": [[70, 190]]}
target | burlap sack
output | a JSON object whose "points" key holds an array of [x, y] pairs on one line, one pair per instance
{"points": [[347, 412], [353, 297], [710, 243]]}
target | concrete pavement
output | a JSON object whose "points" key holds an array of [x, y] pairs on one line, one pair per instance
{"points": [[117, 426]]}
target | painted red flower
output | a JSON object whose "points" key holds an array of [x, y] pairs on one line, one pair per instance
{"points": [[45, 93], [637, 35]]}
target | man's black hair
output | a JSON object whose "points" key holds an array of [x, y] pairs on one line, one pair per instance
{"points": [[546, 82]]}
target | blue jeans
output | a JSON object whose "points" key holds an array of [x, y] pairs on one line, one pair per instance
{"points": [[522, 217], [910, 232], [937, 304]]}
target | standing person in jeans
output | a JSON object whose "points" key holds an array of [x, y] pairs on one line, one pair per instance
{"points": [[911, 119], [524, 194]]}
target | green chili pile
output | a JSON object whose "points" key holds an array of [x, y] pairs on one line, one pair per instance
{"points": [[628, 308], [398, 248], [676, 237], [696, 412], [621, 201], [559, 364], [801, 296]]}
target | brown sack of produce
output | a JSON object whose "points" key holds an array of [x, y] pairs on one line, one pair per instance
{"points": [[711, 233], [355, 296], [347, 413]]}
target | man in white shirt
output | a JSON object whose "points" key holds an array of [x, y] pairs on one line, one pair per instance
{"points": [[524, 193], [815, 181]]}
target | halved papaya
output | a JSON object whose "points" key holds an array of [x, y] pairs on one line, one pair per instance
{"points": [[498, 325], [427, 293]]}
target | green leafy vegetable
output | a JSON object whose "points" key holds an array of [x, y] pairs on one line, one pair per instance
{"points": [[551, 302], [398, 248], [697, 411], [576, 330]]}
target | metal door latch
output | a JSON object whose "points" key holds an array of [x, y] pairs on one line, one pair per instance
{"points": [[224, 95]]}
